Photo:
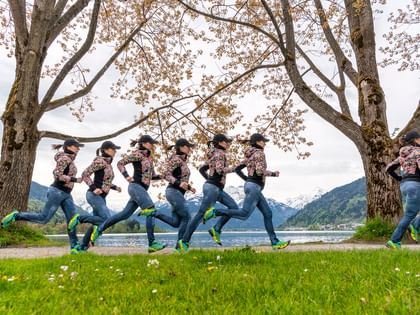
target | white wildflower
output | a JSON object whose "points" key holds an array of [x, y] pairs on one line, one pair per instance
{"points": [[154, 291], [64, 268], [153, 262]]}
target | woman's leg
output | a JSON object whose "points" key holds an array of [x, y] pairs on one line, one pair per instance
{"points": [[54, 199], [252, 196], [265, 209], [411, 195], [69, 211], [100, 213], [210, 196], [226, 200], [175, 199], [128, 210]]}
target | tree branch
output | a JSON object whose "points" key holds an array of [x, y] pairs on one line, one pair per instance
{"points": [[76, 95], [219, 18], [18, 10], [62, 22], [76, 57], [62, 136], [343, 123], [342, 60], [413, 124]]}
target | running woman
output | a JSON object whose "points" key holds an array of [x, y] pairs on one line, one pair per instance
{"points": [[256, 164], [409, 162], [214, 171], [139, 183], [177, 173], [99, 188], [59, 193]]}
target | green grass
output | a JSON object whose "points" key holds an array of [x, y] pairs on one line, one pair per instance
{"points": [[241, 282], [375, 230], [24, 235]]}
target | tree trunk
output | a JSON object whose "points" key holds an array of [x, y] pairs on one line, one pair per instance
{"points": [[383, 194], [19, 144]]}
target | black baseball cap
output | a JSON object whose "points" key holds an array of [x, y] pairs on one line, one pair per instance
{"points": [[221, 138], [412, 135], [109, 145], [147, 139], [184, 142], [256, 137], [71, 142]]}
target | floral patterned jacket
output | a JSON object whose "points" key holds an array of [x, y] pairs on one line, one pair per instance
{"points": [[176, 171], [408, 162], [144, 171], [64, 171], [256, 165], [217, 167], [101, 167]]}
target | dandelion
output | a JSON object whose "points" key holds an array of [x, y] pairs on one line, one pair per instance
{"points": [[154, 291], [64, 268], [11, 279], [397, 269], [153, 262], [211, 268], [195, 257]]}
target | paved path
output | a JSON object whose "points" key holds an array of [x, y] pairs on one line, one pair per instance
{"points": [[42, 252]]}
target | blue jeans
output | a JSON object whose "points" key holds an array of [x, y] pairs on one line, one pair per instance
{"points": [[139, 197], [100, 213], [55, 198], [180, 214], [253, 199], [211, 195], [411, 196]]}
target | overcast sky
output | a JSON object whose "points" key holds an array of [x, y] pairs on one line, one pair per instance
{"points": [[334, 160]]}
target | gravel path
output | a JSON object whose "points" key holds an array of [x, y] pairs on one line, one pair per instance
{"points": [[43, 252]]}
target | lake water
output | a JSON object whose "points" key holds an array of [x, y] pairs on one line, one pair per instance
{"points": [[229, 238]]}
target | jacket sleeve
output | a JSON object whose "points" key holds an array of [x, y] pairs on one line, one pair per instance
{"points": [[220, 165], [260, 165], [60, 166], [203, 170], [127, 159], [239, 172], [87, 173], [170, 166], [392, 167]]}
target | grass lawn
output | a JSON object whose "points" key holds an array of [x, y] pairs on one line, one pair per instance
{"points": [[213, 282]]}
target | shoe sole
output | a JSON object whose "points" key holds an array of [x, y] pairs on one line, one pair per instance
{"points": [[218, 243], [150, 251], [285, 246], [411, 237]]}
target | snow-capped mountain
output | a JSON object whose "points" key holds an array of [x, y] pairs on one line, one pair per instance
{"points": [[281, 212], [301, 201]]}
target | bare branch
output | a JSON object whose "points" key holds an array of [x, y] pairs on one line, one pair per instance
{"points": [[413, 124], [65, 19], [72, 97], [18, 10], [219, 18], [342, 60], [76, 57], [62, 136]]}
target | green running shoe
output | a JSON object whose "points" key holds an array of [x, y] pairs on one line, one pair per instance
{"points": [[8, 219], [209, 214], [215, 236], [183, 247], [95, 235], [413, 233], [147, 212], [74, 221], [75, 249], [392, 245], [280, 245], [156, 246]]}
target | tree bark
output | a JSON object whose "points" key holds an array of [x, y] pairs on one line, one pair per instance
{"points": [[18, 153]]}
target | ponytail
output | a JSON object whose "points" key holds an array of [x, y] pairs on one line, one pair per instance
{"points": [[171, 147], [97, 151], [245, 141], [209, 143], [56, 146]]}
